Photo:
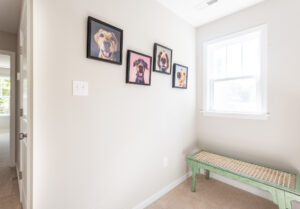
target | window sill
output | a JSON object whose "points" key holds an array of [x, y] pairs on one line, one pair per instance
{"points": [[237, 115]]}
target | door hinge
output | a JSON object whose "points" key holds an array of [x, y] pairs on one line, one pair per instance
{"points": [[20, 175], [21, 112], [18, 76], [20, 50]]}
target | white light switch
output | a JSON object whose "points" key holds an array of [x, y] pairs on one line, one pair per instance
{"points": [[80, 88]]}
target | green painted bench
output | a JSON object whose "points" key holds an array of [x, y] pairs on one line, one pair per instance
{"points": [[283, 186]]}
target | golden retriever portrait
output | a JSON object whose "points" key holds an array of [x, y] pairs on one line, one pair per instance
{"points": [[104, 41], [108, 44], [162, 59], [180, 76]]}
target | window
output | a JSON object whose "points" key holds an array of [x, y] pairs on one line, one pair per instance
{"points": [[4, 95], [234, 75]]}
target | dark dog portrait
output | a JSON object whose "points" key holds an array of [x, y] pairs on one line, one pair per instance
{"points": [[180, 76], [162, 59], [138, 69], [104, 41], [140, 66]]}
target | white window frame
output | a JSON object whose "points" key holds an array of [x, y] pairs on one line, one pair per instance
{"points": [[262, 83]]}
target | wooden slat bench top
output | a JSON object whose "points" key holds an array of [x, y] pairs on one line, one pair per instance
{"points": [[268, 175]]}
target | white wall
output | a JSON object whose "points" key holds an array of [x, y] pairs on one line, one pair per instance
{"points": [[273, 142], [106, 150], [4, 123]]}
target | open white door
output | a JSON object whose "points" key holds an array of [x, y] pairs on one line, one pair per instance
{"points": [[25, 143]]}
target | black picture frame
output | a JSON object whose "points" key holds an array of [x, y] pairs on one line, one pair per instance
{"points": [[175, 76], [156, 45], [128, 67], [116, 58]]}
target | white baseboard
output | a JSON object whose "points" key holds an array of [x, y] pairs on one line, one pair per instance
{"points": [[19, 183], [162, 192]]}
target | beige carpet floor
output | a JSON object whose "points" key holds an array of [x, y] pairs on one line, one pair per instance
{"points": [[210, 194], [9, 191]]}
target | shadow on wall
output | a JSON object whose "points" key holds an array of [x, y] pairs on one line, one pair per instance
{"points": [[4, 149], [194, 147]]}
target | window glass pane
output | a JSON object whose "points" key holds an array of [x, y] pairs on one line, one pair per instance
{"points": [[251, 57], [4, 95], [4, 105], [235, 95], [234, 60], [5, 87], [219, 62]]}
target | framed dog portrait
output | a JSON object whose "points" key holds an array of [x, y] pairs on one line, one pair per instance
{"points": [[180, 76], [104, 41], [138, 69], [162, 59]]}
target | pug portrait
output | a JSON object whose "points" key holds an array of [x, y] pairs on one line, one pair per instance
{"points": [[162, 59]]}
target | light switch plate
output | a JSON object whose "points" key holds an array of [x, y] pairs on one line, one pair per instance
{"points": [[165, 162], [80, 88]]}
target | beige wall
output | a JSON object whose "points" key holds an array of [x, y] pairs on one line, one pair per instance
{"points": [[4, 123], [8, 41], [106, 150], [273, 142]]}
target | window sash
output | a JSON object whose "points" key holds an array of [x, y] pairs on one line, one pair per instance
{"points": [[227, 69], [211, 107]]}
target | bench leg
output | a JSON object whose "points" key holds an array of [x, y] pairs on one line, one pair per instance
{"points": [[195, 171], [288, 202], [207, 174], [288, 205], [279, 199]]}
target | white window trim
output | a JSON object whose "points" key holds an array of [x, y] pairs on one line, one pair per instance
{"points": [[265, 115]]}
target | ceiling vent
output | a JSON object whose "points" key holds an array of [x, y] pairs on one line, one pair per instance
{"points": [[205, 3]]}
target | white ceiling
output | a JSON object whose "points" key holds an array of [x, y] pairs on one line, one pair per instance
{"points": [[10, 11], [197, 12]]}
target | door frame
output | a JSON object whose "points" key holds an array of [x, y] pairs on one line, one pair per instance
{"points": [[12, 107], [26, 13]]}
